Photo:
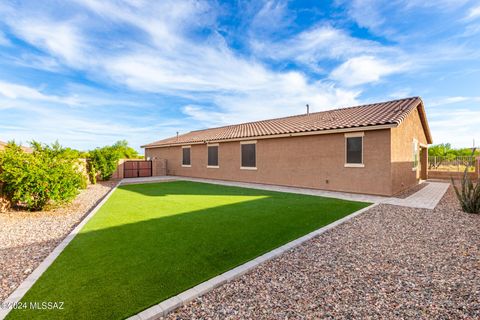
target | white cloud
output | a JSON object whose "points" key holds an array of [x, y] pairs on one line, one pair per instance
{"points": [[61, 39], [165, 56], [273, 15], [76, 127], [441, 5], [81, 97], [212, 74], [15, 91], [387, 18], [367, 14], [321, 42], [196, 68], [452, 100], [364, 69], [458, 126], [473, 13], [286, 96], [177, 50], [164, 21]]}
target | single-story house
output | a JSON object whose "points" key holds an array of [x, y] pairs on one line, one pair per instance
{"points": [[378, 148]]}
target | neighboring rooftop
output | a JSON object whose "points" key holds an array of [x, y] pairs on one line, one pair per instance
{"points": [[26, 149], [370, 115]]}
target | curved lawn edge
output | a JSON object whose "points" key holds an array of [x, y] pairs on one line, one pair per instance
{"points": [[248, 211]]}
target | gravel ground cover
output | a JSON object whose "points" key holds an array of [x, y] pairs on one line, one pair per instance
{"points": [[407, 193], [391, 263], [26, 238]]}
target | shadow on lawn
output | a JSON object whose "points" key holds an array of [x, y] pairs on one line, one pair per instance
{"points": [[178, 187], [115, 272], [191, 188]]}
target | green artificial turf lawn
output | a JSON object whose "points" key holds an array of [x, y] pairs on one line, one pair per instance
{"points": [[152, 241]]}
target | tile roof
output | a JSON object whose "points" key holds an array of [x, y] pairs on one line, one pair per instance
{"points": [[376, 114]]}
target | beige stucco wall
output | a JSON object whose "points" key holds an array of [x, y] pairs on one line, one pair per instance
{"points": [[402, 136], [315, 161]]}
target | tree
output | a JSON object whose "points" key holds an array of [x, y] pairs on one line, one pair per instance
{"points": [[125, 150], [440, 152]]}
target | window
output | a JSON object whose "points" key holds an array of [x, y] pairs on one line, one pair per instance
{"points": [[248, 155], [415, 154], [354, 149], [212, 156], [186, 157]]}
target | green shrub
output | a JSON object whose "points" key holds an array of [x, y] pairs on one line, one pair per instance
{"points": [[48, 177], [469, 193], [103, 161]]}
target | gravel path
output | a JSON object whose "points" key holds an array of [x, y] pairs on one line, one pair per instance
{"points": [[26, 238], [390, 262]]}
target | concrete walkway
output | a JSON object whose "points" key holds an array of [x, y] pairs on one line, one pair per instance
{"points": [[427, 198]]}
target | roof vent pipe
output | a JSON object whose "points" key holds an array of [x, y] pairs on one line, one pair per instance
{"points": [[308, 109], [177, 135]]}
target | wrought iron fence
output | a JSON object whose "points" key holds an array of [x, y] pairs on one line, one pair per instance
{"points": [[453, 164]]}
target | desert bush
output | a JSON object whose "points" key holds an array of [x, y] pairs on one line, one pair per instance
{"points": [[46, 178], [469, 192], [103, 161]]}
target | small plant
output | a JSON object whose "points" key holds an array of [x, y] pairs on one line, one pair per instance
{"points": [[469, 193], [48, 177]]}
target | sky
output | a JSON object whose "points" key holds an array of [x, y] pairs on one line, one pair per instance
{"points": [[88, 73]]}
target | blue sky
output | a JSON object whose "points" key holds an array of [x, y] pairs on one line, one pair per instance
{"points": [[88, 73]]}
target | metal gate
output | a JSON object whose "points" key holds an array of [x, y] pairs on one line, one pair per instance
{"points": [[135, 169]]}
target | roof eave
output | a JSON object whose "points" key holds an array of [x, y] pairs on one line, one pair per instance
{"points": [[423, 118], [282, 135]]}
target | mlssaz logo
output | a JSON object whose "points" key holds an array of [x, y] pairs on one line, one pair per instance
{"points": [[38, 305]]}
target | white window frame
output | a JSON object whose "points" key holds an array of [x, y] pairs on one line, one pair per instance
{"points": [[354, 135], [218, 154], [187, 165], [248, 142], [415, 154]]}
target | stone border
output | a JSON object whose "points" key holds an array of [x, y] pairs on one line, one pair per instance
{"points": [[22, 289], [184, 297]]}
